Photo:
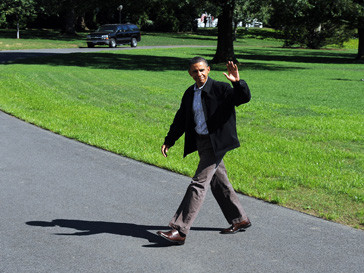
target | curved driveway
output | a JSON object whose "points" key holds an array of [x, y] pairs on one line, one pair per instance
{"points": [[70, 207]]}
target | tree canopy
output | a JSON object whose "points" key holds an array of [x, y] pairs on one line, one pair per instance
{"points": [[17, 13], [308, 23]]}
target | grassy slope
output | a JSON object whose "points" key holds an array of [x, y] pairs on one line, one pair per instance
{"points": [[301, 134]]}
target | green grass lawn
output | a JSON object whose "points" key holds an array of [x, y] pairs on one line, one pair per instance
{"points": [[301, 135], [40, 39]]}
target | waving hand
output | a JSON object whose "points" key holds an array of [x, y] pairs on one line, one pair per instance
{"points": [[233, 72]]}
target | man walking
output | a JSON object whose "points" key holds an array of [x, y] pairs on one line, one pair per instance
{"points": [[207, 118]]}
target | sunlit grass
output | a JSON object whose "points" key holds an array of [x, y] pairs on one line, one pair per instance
{"points": [[301, 135]]}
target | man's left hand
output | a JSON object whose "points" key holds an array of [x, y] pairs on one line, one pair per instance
{"points": [[233, 72]]}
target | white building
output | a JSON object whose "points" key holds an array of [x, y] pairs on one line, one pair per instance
{"points": [[254, 23], [207, 20]]}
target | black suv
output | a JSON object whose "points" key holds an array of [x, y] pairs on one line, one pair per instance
{"points": [[115, 34]]}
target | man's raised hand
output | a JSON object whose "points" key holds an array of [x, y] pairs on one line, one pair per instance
{"points": [[233, 72]]}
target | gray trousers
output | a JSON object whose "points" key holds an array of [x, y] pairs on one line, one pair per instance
{"points": [[210, 171]]}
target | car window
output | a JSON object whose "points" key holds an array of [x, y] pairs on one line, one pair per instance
{"points": [[107, 29], [134, 28]]}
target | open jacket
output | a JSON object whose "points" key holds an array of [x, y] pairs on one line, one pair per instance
{"points": [[218, 101]]}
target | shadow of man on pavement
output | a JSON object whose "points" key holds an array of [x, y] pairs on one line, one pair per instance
{"points": [[97, 227]]}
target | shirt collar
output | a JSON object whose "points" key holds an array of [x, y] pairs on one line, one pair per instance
{"points": [[200, 88]]}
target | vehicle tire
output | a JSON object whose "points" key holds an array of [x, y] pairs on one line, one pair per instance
{"points": [[112, 43], [90, 45], [133, 42]]}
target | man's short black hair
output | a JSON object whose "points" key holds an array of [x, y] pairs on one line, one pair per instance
{"points": [[196, 60]]}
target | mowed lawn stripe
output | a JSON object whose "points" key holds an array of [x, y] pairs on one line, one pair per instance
{"points": [[301, 135]]}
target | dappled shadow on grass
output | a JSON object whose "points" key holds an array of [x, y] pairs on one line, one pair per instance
{"points": [[207, 31], [259, 33], [133, 62], [6, 57], [346, 80], [187, 37], [266, 59], [272, 55], [296, 55], [183, 36], [113, 61]]}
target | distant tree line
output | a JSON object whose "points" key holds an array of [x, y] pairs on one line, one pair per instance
{"points": [[308, 23]]}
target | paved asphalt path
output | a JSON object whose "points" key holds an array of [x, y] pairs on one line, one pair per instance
{"points": [[69, 207]]}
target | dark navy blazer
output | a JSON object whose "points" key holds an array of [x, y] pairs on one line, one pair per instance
{"points": [[218, 101]]}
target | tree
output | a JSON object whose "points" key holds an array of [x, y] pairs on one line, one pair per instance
{"points": [[17, 13], [247, 10], [360, 54], [316, 23], [76, 14], [225, 46], [358, 11], [167, 15], [230, 13], [312, 23]]}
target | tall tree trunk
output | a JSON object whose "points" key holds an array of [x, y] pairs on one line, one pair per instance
{"points": [[225, 47], [81, 23], [70, 21], [361, 44]]}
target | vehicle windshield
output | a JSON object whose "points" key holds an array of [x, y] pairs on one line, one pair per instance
{"points": [[107, 29]]}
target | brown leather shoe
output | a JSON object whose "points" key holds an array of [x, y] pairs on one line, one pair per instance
{"points": [[237, 227], [173, 236]]}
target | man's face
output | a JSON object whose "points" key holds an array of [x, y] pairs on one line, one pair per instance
{"points": [[199, 72]]}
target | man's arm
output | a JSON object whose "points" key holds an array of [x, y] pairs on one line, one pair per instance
{"points": [[176, 130], [241, 93]]}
